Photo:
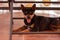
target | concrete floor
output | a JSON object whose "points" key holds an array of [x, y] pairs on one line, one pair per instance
{"points": [[5, 31]]}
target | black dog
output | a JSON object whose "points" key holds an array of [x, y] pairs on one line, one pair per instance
{"points": [[35, 23]]}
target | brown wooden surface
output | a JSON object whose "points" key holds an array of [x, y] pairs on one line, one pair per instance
{"points": [[5, 25]]}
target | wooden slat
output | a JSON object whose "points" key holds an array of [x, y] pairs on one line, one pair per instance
{"points": [[37, 8], [33, 2], [36, 33], [3, 1], [18, 18], [28, 2], [4, 8]]}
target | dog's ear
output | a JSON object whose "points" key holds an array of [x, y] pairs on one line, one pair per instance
{"points": [[22, 6], [34, 7]]}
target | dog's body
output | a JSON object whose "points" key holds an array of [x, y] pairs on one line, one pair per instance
{"points": [[39, 22], [36, 23]]}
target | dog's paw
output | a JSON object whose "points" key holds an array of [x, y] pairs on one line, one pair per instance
{"points": [[14, 31], [26, 30]]}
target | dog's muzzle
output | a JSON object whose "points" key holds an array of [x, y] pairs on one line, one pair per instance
{"points": [[28, 17]]}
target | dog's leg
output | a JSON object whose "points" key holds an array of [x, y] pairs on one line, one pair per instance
{"points": [[20, 29], [54, 23]]}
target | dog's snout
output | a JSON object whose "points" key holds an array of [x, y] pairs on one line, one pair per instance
{"points": [[28, 17]]}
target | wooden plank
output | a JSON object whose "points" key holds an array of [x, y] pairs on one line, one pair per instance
{"points": [[37, 8]]}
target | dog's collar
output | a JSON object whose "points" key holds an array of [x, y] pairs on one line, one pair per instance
{"points": [[29, 26]]}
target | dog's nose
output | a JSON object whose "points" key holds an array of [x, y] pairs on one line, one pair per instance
{"points": [[28, 17]]}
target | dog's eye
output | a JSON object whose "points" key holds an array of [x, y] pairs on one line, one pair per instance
{"points": [[31, 13], [25, 12]]}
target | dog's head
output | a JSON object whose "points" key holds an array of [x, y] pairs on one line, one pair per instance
{"points": [[28, 12]]}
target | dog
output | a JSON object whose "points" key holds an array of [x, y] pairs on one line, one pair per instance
{"points": [[36, 23]]}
